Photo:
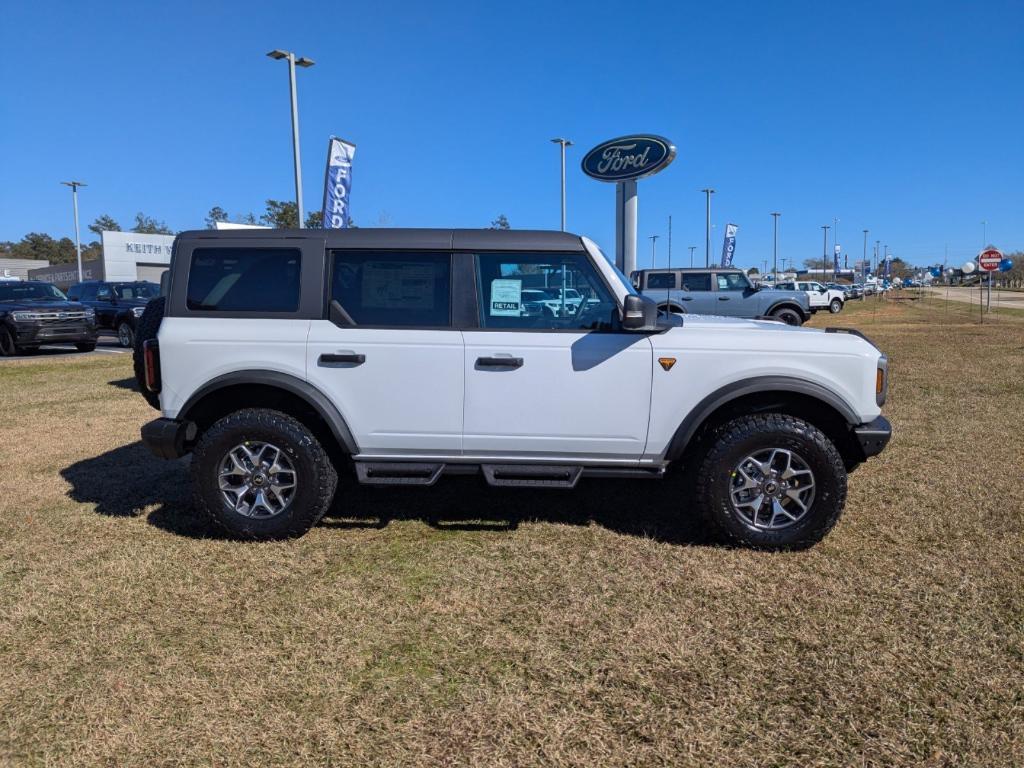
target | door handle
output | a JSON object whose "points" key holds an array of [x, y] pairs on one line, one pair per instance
{"points": [[500, 362], [723, 298], [686, 298], [342, 358]]}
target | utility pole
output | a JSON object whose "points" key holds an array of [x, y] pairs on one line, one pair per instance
{"points": [[563, 143], [670, 240], [864, 258], [775, 245], [708, 192], [824, 248], [654, 243], [878, 245], [78, 242], [292, 63], [692, 249]]}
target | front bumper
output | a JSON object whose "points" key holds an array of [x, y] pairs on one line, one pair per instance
{"points": [[26, 334], [873, 436], [168, 438]]}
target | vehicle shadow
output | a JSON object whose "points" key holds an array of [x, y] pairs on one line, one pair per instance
{"points": [[129, 482], [127, 383]]}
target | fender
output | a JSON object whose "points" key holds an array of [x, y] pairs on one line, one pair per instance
{"points": [[737, 389], [788, 304], [296, 386]]}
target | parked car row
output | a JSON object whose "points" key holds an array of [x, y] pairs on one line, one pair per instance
{"points": [[118, 306]]}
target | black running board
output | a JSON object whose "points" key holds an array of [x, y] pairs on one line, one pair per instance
{"points": [[531, 476], [397, 473]]}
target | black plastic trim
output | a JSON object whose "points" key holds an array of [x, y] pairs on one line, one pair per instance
{"points": [[730, 392], [166, 438], [873, 436], [317, 399]]}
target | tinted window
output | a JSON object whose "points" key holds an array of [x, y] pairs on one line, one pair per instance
{"points": [[244, 279], [661, 280], [137, 291], [18, 291], [88, 292], [697, 281], [732, 281], [400, 288], [544, 291]]}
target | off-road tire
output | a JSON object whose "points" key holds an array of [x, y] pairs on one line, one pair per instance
{"points": [[86, 346], [315, 475], [126, 334], [146, 329], [788, 316], [721, 451], [835, 306], [7, 346]]}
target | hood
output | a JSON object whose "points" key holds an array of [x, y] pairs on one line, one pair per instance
{"points": [[740, 323], [48, 305]]}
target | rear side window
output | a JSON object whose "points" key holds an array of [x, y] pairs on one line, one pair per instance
{"points": [[661, 280], [244, 279], [407, 289], [697, 281]]}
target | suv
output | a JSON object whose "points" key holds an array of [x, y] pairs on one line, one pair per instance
{"points": [[33, 313], [281, 359], [719, 291], [820, 296], [118, 306]]}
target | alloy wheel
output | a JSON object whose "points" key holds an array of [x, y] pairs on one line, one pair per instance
{"points": [[257, 479], [772, 489]]}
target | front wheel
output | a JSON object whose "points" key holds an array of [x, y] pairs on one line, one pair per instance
{"points": [[261, 474], [788, 316], [836, 306], [125, 336], [7, 346], [771, 481]]}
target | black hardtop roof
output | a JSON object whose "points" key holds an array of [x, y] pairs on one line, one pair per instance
{"points": [[427, 239], [693, 269], [115, 282]]}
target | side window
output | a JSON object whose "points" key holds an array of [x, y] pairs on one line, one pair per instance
{"points": [[661, 280], [732, 281], [405, 289], [75, 292], [244, 279], [543, 291], [804, 287], [101, 292], [89, 292], [697, 281]]}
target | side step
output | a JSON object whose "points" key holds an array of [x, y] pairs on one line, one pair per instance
{"points": [[534, 476], [397, 473]]}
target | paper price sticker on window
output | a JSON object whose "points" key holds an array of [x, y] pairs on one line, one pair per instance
{"points": [[506, 298]]}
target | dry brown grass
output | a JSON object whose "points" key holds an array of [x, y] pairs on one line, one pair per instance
{"points": [[468, 626]]}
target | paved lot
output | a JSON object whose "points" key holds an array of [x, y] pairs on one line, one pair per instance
{"points": [[1000, 299], [107, 346]]}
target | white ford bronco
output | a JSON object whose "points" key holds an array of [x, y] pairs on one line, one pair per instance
{"points": [[283, 359]]}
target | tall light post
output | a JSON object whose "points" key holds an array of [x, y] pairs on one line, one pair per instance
{"points": [[563, 143], [775, 245], [292, 63], [708, 192], [864, 258], [824, 248], [878, 247], [78, 243], [654, 252], [692, 249]]}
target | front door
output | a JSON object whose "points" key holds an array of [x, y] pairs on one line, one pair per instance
{"points": [[388, 355], [552, 379]]}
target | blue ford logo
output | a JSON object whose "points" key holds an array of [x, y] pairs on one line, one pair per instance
{"points": [[628, 157]]}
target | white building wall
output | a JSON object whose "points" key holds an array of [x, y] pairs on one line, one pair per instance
{"points": [[124, 252]]}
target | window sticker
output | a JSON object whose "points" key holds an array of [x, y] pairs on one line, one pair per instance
{"points": [[398, 285], [506, 298]]}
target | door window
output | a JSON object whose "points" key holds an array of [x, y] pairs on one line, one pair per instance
{"points": [[244, 279], [406, 289], [543, 291], [661, 280], [732, 281], [697, 281]]}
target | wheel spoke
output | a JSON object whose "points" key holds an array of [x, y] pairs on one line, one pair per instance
{"points": [[257, 479], [772, 488]]}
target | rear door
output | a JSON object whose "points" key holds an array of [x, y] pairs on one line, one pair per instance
{"points": [[387, 353], [696, 294]]}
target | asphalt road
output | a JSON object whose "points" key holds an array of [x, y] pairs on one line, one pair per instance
{"points": [[107, 345], [1005, 299]]}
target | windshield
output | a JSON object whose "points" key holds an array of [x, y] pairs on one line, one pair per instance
{"points": [[137, 291], [30, 292]]}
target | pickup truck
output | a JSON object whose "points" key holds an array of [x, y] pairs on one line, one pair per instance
{"points": [[820, 296]]}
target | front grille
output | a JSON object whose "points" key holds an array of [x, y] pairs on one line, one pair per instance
{"points": [[51, 318]]}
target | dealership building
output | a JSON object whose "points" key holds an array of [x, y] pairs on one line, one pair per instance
{"points": [[126, 257]]}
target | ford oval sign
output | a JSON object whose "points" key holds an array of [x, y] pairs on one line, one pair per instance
{"points": [[629, 157]]}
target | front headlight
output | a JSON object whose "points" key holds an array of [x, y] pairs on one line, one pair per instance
{"points": [[90, 313], [137, 311], [24, 317]]}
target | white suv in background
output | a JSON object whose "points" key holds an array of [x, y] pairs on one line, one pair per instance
{"points": [[820, 296], [281, 359]]}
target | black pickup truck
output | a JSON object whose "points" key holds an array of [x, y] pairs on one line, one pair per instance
{"points": [[118, 306], [35, 313]]}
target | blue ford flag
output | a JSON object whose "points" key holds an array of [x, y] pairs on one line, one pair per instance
{"points": [[338, 183], [729, 245]]}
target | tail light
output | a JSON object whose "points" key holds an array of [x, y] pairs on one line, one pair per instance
{"points": [[151, 364]]}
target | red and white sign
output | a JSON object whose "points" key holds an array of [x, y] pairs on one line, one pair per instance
{"points": [[989, 259]]}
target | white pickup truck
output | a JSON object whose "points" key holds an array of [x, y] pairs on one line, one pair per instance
{"points": [[820, 296]]}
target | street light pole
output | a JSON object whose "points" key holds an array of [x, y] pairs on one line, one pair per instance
{"points": [[824, 248], [563, 143], [78, 243], [864, 258], [292, 63], [775, 246], [692, 249], [654, 244], [708, 192]]}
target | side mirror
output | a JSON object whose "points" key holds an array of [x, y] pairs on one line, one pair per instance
{"points": [[639, 313]]}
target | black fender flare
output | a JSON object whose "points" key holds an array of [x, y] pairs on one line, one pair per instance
{"points": [[288, 383], [699, 414], [787, 304]]}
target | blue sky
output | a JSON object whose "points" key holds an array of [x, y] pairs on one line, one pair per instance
{"points": [[902, 118]]}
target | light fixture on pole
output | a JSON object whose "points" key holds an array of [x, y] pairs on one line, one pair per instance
{"points": [[775, 245], [78, 243], [708, 192], [824, 249], [292, 63], [563, 144]]}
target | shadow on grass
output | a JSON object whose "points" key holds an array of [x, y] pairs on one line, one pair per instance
{"points": [[128, 383], [129, 481]]}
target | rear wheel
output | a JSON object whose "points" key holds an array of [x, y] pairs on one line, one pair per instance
{"points": [[125, 335], [7, 346], [835, 306], [788, 316], [771, 481], [260, 474]]}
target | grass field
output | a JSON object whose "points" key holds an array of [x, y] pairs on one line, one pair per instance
{"points": [[468, 626]]}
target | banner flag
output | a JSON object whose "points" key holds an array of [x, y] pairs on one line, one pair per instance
{"points": [[835, 261], [729, 245], [338, 183]]}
